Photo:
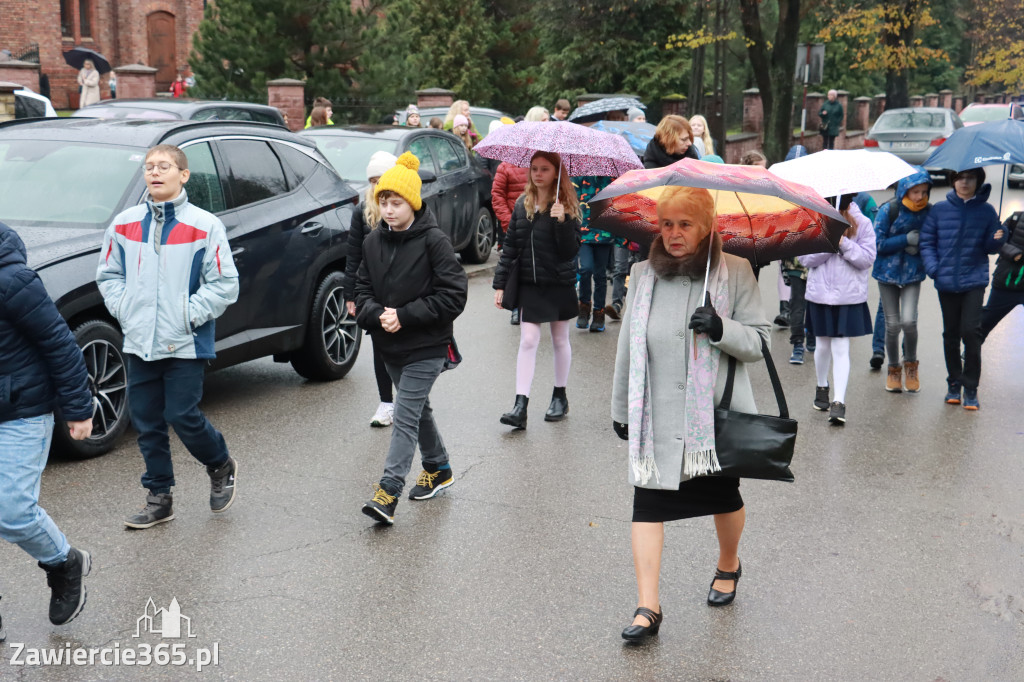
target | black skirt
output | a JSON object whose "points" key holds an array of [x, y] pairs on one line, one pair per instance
{"points": [[701, 496], [838, 321], [540, 303]]}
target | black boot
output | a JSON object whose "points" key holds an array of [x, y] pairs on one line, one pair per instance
{"points": [[517, 417], [559, 407], [782, 319]]}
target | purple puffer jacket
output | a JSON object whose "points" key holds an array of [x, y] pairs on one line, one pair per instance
{"points": [[842, 278]]}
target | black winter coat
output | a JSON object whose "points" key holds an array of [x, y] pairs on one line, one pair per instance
{"points": [[655, 155], [41, 366], [416, 273], [1009, 273], [357, 232], [546, 249]]}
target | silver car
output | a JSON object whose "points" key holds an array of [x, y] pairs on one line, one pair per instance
{"points": [[913, 134]]}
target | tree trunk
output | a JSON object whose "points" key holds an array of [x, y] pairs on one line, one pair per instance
{"points": [[697, 69], [898, 37], [774, 71]]}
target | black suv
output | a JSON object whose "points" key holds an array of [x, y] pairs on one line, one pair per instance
{"points": [[287, 215], [170, 108], [456, 187]]}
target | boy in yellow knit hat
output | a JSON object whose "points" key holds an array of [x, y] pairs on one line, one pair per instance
{"points": [[409, 290]]}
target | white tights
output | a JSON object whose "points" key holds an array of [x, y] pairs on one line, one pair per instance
{"points": [[526, 363], [837, 351]]}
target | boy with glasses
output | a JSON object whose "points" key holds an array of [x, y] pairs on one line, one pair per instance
{"points": [[166, 274]]}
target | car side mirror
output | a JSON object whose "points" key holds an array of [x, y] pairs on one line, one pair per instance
{"points": [[427, 176]]}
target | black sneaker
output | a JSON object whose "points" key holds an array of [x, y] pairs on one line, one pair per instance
{"points": [[876, 360], [821, 398], [382, 507], [222, 485], [159, 509], [431, 483], [837, 414], [67, 591]]}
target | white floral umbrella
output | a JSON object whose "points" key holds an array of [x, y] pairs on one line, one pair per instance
{"points": [[832, 172]]}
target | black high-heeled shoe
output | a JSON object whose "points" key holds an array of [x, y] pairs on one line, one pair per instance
{"points": [[637, 633], [716, 598]]}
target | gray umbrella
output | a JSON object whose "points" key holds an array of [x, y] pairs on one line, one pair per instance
{"points": [[593, 111]]}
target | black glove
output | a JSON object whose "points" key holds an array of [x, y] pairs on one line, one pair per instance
{"points": [[621, 430], [706, 321]]}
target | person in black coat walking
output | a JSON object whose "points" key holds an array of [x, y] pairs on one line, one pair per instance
{"points": [[366, 219], [542, 241], [409, 290], [41, 372], [672, 141], [1007, 290]]}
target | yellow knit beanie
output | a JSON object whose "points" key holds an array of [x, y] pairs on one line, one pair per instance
{"points": [[403, 180]]}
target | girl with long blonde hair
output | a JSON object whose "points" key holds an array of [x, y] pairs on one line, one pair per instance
{"points": [[702, 136], [541, 244]]}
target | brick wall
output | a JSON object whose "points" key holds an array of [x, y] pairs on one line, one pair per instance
{"points": [[7, 100], [22, 73], [287, 95]]}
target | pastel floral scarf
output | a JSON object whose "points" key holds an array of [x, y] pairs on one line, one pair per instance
{"points": [[699, 457]]}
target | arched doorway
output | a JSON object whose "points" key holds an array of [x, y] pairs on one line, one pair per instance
{"points": [[163, 55]]}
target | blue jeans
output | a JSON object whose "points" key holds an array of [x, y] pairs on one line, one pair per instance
{"points": [[163, 392], [24, 447], [624, 258], [594, 262], [878, 338], [414, 422]]}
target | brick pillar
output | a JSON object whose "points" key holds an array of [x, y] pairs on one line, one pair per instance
{"points": [[22, 73], [434, 97], [931, 99], [288, 95], [878, 104], [7, 100], [814, 102], [677, 105], [916, 101], [843, 97], [861, 113], [958, 103], [135, 80], [946, 98], [753, 111]]}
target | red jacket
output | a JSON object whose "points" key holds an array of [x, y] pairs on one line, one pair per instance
{"points": [[177, 88], [509, 183]]}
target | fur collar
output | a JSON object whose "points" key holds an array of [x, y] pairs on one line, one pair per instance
{"points": [[667, 266]]}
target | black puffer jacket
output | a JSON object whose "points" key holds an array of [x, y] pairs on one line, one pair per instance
{"points": [[546, 249], [41, 367], [357, 232], [655, 155], [416, 273], [1009, 273]]}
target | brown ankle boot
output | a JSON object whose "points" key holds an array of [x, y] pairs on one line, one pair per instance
{"points": [[894, 382], [583, 321], [913, 382]]}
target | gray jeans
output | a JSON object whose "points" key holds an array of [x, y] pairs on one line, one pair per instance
{"points": [[414, 422], [900, 306], [623, 259]]}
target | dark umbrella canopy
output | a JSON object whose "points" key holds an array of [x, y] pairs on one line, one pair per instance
{"points": [[981, 145], [76, 57], [593, 111]]}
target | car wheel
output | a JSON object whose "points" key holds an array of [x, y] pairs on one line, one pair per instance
{"points": [[101, 344], [332, 337], [479, 248]]}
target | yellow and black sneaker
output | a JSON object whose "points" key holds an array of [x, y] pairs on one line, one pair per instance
{"points": [[431, 483], [382, 507]]}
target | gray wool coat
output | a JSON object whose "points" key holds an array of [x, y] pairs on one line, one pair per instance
{"points": [[668, 350]]}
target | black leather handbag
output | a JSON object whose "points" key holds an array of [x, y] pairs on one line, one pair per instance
{"points": [[755, 445], [510, 299]]}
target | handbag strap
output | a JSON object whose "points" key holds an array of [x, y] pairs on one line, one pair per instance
{"points": [[780, 397]]}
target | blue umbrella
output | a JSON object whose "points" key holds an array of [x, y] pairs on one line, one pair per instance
{"points": [[995, 142], [595, 110], [637, 134]]}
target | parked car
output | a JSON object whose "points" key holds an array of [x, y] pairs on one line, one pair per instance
{"points": [[976, 113], [29, 104], [913, 134], [183, 108], [456, 188], [482, 116], [287, 215], [1015, 176]]}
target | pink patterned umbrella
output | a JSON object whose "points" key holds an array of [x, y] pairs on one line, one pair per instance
{"points": [[584, 151]]}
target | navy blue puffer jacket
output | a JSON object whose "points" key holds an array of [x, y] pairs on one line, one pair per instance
{"points": [[956, 239], [41, 366]]}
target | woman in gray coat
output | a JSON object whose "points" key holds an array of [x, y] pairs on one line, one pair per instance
{"points": [[670, 372]]}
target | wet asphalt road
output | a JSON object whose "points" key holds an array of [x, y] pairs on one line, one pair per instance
{"points": [[898, 554]]}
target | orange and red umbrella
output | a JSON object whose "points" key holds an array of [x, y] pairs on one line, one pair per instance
{"points": [[760, 216]]}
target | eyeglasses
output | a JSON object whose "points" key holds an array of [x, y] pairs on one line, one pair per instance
{"points": [[163, 167]]}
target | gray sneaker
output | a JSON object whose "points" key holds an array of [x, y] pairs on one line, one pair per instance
{"points": [[159, 508], [222, 485], [837, 414], [821, 398]]}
